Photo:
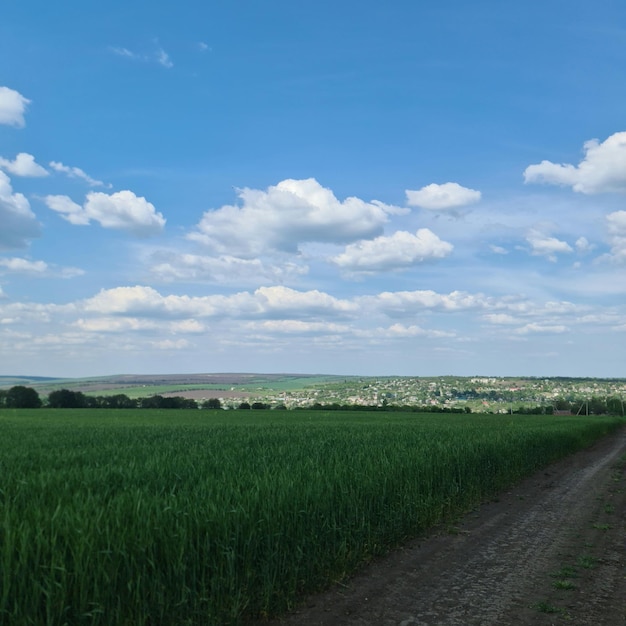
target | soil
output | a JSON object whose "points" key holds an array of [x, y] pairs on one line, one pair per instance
{"points": [[552, 550]]}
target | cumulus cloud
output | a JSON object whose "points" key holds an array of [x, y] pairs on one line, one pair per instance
{"points": [[603, 169], [12, 107], [299, 327], [401, 331], [16, 265], [120, 211], [500, 318], [286, 215], [114, 324], [69, 210], [25, 266], [18, 223], [286, 301], [124, 211], [171, 344], [542, 328], [270, 302], [23, 165], [544, 245], [75, 172], [398, 251], [441, 197], [583, 245], [173, 266], [617, 234], [498, 249], [410, 302]]}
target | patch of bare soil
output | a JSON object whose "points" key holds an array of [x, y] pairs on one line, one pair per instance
{"points": [[550, 551], [203, 394]]}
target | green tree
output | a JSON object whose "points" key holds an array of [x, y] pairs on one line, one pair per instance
{"points": [[117, 401], [67, 399], [212, 403], [20, 397], [615, 405]]}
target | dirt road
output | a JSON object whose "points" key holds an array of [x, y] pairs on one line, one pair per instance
{"points": [[550, 551]]}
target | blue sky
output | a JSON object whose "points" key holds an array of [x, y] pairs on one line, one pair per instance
{"points": [[399, 188]]}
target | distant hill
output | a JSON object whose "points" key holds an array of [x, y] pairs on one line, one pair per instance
{"points": [[10, 381], [147, 384]]}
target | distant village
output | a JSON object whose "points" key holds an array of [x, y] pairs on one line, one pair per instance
{"points": [[479, 394]]}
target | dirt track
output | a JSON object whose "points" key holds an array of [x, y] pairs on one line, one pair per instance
{"points": [[564, 527]]}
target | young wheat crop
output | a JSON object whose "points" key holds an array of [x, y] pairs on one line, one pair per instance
{"points": [[156, 517]]}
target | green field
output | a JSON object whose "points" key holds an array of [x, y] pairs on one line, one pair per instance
{"points": [[211, 517]]}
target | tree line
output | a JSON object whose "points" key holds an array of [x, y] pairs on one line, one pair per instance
{"points": [[21, 397]]}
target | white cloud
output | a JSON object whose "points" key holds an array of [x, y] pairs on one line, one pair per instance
{"points": [[441, 197], [542, 328], [114, 324], [23, 165], [18, 223], [117, 324], [500, 318], [285, 301], [286, 215], [399, 303], [498, 249], [583, 246], [298, 327], [123, 52], [12, 107], [171, 344], [544, 245], [188, 326], [23, 266], [124, 211], [266, 301], [120, 211], [75, 172], [17, 265], [617, 234], [173, 266], [401, 331], [603, 168], [68, 209], [157, 55], [398, 251], [163, 58]]}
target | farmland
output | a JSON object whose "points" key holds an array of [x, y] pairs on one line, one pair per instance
{"points": [[479, 394], [196, 517]]}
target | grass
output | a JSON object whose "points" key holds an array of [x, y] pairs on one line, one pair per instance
{"points": [[567, 571], [587, 562], [198, 517], [564, 584], [545, 607]]}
